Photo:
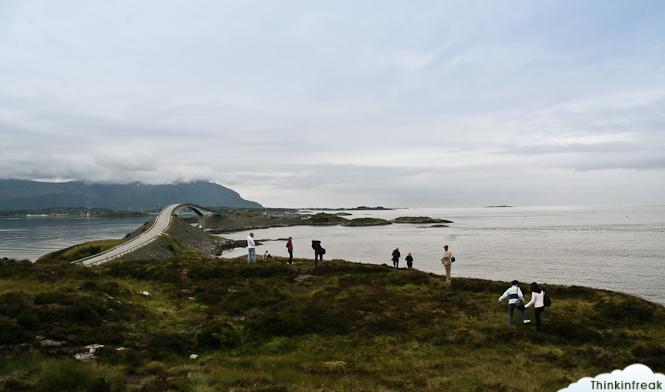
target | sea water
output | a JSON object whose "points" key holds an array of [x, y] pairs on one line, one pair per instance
{"points": [[31, 238], [619, 249]]}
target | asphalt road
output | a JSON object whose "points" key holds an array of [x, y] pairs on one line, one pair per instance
{"points": [[160, 225]]}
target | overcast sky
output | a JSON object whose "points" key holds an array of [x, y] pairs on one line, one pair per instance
{"points": [[341, 103]]}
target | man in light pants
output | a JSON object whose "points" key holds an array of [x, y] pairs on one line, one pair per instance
{"points": [[251, 249], [447, 261]]}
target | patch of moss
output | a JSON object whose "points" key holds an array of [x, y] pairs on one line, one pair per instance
{"points": [[80, 251]]}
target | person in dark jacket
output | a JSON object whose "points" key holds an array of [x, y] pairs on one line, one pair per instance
{"points": [[409, 260], [538, 300], [289, 247], [319, 251], [396, 256]]}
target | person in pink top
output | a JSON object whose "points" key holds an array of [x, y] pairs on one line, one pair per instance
{"points": [[289, 247]]}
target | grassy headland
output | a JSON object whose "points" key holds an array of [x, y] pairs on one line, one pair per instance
{"points": [[273, 327], [80, 251]]}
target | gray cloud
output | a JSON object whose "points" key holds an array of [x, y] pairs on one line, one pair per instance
{"points": [[299, 103]]}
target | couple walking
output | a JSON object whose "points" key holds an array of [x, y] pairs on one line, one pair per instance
{"points": [[396, 255], [516, 300]]}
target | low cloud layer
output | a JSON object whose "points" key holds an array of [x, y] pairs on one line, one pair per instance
{"points": [[298, 104]]}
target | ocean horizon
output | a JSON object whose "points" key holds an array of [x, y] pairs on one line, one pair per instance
{"points": [[612, 248]]}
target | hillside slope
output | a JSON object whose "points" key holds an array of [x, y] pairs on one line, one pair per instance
{"points": [[273, 327], [21, 194]]}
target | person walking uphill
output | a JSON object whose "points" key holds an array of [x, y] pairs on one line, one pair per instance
{"points": [[289, 247], [396, 256], [538, 300], [447, 261], [251, 249], [515, 300]]}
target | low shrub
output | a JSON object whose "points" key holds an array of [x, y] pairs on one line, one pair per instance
{"points": [[562, 331], [651, 355], [222, 335], [28, 318], [161, 345], [69, 375], [12, 303], [630, 310], [111, 288], [11, 332]]}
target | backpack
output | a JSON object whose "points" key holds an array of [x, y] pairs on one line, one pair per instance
{"points": [[547, 301]]}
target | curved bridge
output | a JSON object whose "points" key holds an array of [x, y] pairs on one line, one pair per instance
{"points": [[158, 227]]}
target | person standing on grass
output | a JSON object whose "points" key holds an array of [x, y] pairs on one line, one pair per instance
{"points": [[538, 300], [447, 261], [251, 249], [409, 260], [396, 256], [515, 300], [289, 247], [319, 251]]}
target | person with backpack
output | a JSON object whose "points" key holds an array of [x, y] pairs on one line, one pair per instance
{"points": [[319, 251], [289, 248], [515, 300], [540, 300], [395, 257]]}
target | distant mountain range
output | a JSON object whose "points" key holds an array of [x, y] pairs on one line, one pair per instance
{"points": [[22, 194]]}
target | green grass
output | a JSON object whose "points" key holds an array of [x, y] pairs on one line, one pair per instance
{"points": [[273, 327], [80, 251]]}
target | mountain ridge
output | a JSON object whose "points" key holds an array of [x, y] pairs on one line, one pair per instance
{"points": [[26, 194]]}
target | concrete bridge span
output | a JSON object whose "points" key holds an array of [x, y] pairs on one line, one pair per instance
{"points": [[158, 227]]}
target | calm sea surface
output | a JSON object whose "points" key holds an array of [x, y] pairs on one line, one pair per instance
{"points": [[617, 249], [31, 238]]}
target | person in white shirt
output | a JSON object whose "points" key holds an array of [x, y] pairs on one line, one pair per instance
{"points": [[538, 300], [447, 261], [251, 249], [515, 298]]}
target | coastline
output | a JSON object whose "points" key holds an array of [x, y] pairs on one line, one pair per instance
{"points": [[548, 244]]}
